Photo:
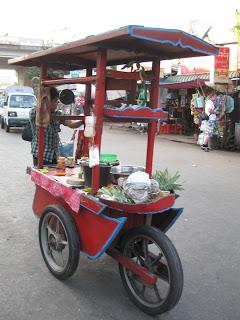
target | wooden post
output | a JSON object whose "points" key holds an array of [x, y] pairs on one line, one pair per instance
{"points": [[153, 124], [81, 139], [98, 110], [43, 75], [88, 93]]}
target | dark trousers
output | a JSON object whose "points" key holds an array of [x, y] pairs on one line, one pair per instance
{"points": [[45, 163]]}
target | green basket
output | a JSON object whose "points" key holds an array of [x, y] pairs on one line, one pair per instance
{"points": [[108, 157]]}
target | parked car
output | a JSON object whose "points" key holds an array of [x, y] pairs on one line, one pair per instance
{"points": [[1, 109], [18, 101]]}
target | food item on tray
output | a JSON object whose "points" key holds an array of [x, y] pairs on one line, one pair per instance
{"points": [[75, 181], [61, 163], [44, 170], [59, 173], [70, 162], [114, 193], [168, 182]]}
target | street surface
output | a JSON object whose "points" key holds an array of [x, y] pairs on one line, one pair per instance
{"points": [[207, 237]]}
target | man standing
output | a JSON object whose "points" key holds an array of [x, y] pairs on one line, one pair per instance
{"points": [[211, 122]]}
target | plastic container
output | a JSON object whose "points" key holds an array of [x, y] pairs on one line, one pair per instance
{"points": [[108, 157], [104, 174], [89, 130], [61, 163]]}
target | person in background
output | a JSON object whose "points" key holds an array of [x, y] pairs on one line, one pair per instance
{"points": [[51, 132], [211, 111]]}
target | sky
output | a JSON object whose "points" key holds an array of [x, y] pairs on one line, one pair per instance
{"points": [[58, 21], [63, 21]]}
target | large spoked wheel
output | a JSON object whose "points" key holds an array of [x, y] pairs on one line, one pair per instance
{"points": [[59, 242], [151, 248]]}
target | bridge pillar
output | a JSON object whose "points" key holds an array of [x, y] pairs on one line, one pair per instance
{"points": [[21, 75]]}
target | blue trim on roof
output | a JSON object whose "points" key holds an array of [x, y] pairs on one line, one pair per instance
{"points": [[175, 44]]}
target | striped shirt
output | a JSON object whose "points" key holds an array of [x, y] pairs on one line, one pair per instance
{"points": [[51, 138]]}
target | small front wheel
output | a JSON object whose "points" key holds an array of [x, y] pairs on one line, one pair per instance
{"points": [[59, 242], [150, 248]]}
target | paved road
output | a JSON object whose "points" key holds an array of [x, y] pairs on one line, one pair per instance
{"points": [[206, 237]]}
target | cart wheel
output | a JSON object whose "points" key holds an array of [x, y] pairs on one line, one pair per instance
{"points": [[59, 242], [151, 248]]}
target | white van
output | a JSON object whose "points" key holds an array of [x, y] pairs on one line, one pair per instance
{"points": [[18, 101]]}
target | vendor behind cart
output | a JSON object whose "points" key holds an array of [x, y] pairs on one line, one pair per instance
{"points": [[51, 128]]}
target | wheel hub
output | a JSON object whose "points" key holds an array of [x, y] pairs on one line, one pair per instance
{"points": [[55, 242]]}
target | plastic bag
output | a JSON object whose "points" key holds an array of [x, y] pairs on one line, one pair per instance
{"points": [[137, 186], [203, 126], [65, 149], [27, 132], [201, 138], [93, 156]]}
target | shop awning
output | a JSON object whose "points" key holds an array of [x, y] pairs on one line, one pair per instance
{"points": [[188, 81]]}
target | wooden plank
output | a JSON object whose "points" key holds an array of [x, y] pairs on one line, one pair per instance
{"points": [[119, 84], [55, 82], [128, 75]]}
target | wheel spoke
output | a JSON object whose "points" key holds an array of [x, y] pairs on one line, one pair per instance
{"points": [[143, 290], [49, 251], [145, 248], [64, 242], [156, 260], [62, 259], [157, 293], [57, 226], [50, 230]]}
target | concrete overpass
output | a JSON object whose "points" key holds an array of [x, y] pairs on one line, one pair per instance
{"points": [[14, 47]]}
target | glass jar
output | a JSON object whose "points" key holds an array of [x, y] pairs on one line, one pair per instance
{"points": [[61, 163]]}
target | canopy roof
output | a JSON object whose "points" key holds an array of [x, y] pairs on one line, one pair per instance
{"points": [[123, 45]]}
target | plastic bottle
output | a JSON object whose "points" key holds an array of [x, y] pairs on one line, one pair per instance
{"points": [[89, 130]]}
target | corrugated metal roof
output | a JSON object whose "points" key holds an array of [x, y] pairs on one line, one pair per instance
{"points": [[192, 77], [186, 78]]}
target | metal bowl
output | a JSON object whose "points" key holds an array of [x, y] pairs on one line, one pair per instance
{"points": [[124, 171]]}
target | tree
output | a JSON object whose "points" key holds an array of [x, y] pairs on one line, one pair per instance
{"points": [[236, 28]]}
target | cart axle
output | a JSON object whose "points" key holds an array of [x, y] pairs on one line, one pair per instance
{"points": [[148, 278]]}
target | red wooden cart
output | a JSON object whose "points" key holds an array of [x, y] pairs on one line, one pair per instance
{"points": [[72, 220]]}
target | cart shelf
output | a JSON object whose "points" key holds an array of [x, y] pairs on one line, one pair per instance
{"points": [[157, 206], [139, 114]]}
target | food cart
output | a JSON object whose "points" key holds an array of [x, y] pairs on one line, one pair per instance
{"points": [[73, 220]]}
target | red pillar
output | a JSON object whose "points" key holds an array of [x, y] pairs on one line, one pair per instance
{"points": [[153, 124], [88, 94], [98, 109], [43, 75]]}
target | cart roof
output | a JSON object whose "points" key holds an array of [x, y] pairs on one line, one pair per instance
{"points": [[128, 43]]}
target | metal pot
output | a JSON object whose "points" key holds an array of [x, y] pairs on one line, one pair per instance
{"points": [[125, 170]]}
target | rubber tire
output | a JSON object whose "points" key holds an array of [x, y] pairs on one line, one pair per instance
{"points": [[174, 264], [73, 239], [2, 123], [7, 128]]}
